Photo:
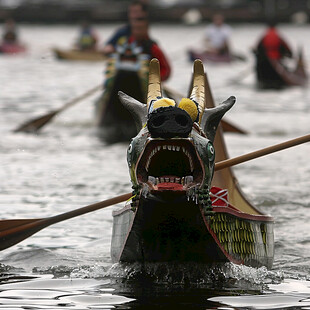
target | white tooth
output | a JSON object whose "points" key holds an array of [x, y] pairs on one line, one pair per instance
{"points": [[167, 180], [173, 148], [169, 147], [151, 179], [148, 164], [157, 181], [178, 148], [162, 180], [182, 181], [183, 149], [171, 180], [191, 164], [188, 179], [164, 147], [158, 148], [177, 180]]}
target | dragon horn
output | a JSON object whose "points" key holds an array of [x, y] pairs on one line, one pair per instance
{"points": [[198, 87], [154, 88]]}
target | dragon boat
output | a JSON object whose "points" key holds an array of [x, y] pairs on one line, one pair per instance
{"points": [[181, 209], [78, 55], [127, 71], [271, 73]]}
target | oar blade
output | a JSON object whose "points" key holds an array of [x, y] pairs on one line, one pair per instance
{"points": [[12, 232], [10, 224], [15, 231], [36, 124]]}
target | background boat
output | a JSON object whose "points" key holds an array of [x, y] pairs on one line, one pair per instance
{"points": [[128, 74], [213, 57], [271, 73], [15, 48], [74, 54]]}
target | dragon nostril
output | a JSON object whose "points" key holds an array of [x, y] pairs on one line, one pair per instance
{"points": [[158, 121], [181, 120], [168, 122]]}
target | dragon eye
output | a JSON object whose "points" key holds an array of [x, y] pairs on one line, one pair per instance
{"points": [[130, 148], [211, 152]]}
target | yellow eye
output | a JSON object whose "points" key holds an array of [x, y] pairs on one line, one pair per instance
{"points": [[190, 107], [163, 102]]}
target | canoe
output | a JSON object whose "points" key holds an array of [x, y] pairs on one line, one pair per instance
{"points": [[178, 212], [206, 56], [16, 48], [76, 55], [115, 123], [272, 73]]}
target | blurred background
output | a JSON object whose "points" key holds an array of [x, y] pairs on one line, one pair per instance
{"points": [[188, 11], [69, 163]]}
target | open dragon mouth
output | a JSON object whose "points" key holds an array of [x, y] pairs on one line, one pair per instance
{"points": [[170, 165]]}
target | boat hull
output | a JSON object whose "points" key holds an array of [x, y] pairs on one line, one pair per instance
{"points": [[115, 123], [180, 231], [76, 55], [12, 49], [273, 74]]}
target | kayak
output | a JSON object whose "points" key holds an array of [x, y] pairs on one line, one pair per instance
{"points": [[180, 211], [74, 54], [15, 48]]}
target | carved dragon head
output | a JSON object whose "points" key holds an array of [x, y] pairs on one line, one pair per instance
{"points": [[173, 152]]}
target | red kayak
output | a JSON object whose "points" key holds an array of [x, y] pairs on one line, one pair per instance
{"points": [[16, 48]]}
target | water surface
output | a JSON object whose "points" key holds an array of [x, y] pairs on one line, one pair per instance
{"points": [[66, 166]]}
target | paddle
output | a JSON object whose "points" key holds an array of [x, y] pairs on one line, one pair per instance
{"points": [[14, 231], [35, 124], [240, 76], [262, 152]]}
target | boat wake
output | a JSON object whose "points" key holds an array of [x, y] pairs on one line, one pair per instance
{"points": [[226, 276]]}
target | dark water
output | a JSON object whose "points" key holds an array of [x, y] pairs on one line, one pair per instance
{"points": [[66, 166]]}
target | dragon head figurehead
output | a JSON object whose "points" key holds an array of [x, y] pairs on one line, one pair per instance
{"points": [[173, 153]]}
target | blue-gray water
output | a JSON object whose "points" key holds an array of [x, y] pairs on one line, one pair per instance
{"points": [[66, 166]]}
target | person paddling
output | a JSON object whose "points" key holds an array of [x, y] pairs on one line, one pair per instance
{"points": [[217, 36], [137, 10], [272, 45], [87, 39], [140, 37], [270, 50], [10, 35]]}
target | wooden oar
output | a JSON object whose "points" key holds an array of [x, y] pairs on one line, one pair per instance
{"points": [[35, 124], [240, 76], [227, 126], [14, 231], [265, 151]]}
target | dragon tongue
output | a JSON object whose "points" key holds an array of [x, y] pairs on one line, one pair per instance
{"points": [[168, 186]]}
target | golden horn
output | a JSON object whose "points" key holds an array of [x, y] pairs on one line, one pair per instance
{"points": [[198, 90], [154, 88]]}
